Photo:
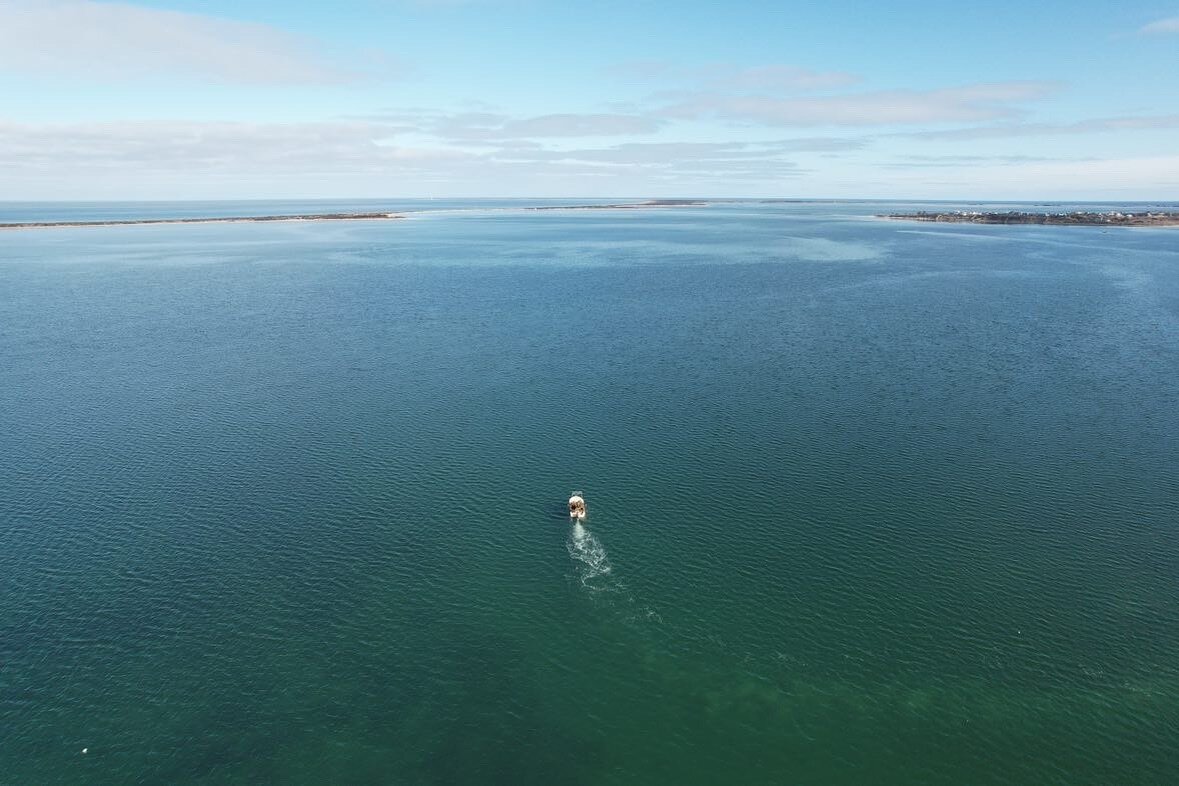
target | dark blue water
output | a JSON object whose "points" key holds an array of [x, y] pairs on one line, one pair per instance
{"points": [[870, 502]]}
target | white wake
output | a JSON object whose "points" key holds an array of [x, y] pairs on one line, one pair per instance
{"points": [[588, 551]]}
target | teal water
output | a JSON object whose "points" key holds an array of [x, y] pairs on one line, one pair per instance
{"points": [[870, 502]]}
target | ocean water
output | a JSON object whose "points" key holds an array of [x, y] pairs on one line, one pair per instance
{"points": [[869, 502]]}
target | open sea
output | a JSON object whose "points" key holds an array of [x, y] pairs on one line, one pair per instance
{"points": [[870, 502]]}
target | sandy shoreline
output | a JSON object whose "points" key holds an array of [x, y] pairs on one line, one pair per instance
{"points": [[205, 220], [650, 204]]}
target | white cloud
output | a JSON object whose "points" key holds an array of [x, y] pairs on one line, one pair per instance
{"points": [[940, 162], [644, 153], [185, 160], [969, 103], [490, 127], [705, 165], [892, 107], [1162, 26], [191, 147], [1091, 126], [179, 160], [775, 78], [85, 39], [820, 144], [1106, 178], [719, 155], [731, 77], [575, 125]]}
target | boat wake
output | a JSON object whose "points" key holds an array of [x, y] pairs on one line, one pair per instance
{"points": [[594, 572], [584, 548]]}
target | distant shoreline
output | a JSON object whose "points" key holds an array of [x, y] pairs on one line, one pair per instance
{"points": [[627, 205], [114, 222], [1078, 218]]}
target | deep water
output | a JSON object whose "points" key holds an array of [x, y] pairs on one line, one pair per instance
{"points": [[869, 501]]}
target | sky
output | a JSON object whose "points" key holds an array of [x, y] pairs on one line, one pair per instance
{"points": [[262, 99]]}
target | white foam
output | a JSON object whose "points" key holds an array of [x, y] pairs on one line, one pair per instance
{"points": [[588, 551]]}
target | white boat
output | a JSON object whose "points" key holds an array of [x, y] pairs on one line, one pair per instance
{"points": [[576, 506]]}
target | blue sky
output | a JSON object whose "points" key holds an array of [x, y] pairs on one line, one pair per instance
{"points": [[185, 99]]}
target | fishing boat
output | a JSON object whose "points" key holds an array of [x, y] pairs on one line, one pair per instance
{"points": [[576, 506]]}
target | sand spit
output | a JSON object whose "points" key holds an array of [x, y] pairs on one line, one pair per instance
{"points": [[653, 203], [212, 220], [627, 205]]}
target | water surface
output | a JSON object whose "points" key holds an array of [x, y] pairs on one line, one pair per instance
{"points": [[870, 502]]}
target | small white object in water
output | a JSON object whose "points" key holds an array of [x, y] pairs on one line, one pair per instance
{"points": [[576, 506], [84, 750]]}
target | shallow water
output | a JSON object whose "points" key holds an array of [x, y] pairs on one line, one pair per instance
{"points": [[868, 501]]}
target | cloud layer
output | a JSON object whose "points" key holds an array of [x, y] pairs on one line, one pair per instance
{"points": [[708, 128], [1162, 27], [494, 127], [970, 103], [775, 78], [115, 160], [93, 40], [353, 158], [1091, 126]]}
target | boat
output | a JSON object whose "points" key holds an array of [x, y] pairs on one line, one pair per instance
{"points": [[576, 506]]}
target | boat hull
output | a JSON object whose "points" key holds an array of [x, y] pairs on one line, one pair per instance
{"points": [[576, 507]]}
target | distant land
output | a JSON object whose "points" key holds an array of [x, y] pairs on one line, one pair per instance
{"points": [[1152, 218], [628, 205], [653, 203], [210, 220], [1077, 218]]}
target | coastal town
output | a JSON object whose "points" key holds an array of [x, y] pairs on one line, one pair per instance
{"points": [[1075, 218]]}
